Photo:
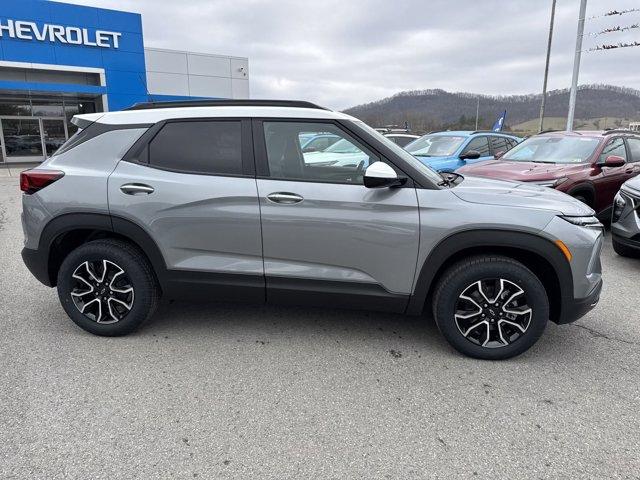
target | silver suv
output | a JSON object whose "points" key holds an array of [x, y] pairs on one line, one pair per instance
{"points": [[217, 200]]}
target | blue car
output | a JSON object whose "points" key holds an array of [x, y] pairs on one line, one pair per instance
{"points": [[448, 151]]}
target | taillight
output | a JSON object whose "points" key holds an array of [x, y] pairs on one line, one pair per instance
{"points": [[33, 180]]}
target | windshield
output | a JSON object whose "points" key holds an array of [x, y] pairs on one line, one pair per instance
{"points": [[553, 149], [435, 145], [342, 146], [401, 152]]}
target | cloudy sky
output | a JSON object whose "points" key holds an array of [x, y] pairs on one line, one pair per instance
{"points": [[340, 53]]}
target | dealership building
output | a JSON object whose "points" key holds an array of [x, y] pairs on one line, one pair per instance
{"points": [[57, 60]]}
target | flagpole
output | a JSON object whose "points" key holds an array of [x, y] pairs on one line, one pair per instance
{"points": [[546, 66], [576, 65]]}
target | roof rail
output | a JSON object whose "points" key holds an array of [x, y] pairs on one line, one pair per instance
{"points": [[549, 131], [487, 131], [225, 103], [609, 131]]}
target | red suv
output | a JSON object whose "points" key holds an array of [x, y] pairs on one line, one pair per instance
{"points": [[590, 166]]}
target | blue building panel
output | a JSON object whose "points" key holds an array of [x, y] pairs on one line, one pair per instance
{"points": [[121, 55], [65, 14]]}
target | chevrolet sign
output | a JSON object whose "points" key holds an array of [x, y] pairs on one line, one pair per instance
{"points": [[58, 33]]}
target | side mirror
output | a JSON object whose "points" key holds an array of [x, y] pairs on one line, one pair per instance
{"points": [[470, 155], [309, 149], [381, 175], [499, 154], [614, 161]]}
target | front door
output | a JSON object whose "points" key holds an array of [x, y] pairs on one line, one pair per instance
{"points": [[327, 239], [192, 188]]}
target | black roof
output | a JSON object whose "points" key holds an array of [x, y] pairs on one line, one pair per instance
{"points": [[225, 103]]}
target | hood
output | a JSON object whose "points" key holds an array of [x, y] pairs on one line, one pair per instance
{"points": [[515, 194], [522, 171]]}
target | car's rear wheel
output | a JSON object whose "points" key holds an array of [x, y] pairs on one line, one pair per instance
{"points": [[107, 287], [490, 307], [624, 250]]}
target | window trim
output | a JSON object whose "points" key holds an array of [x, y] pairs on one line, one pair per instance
{"points": [[134, 155], [262, 159]]}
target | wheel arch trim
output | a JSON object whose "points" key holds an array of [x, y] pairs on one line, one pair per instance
{"points": [[449, 248], [69, 222]]}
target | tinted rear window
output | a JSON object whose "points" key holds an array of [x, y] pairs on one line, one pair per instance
{"points": [[212, 147]]}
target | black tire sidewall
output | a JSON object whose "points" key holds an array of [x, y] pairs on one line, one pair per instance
{"points": [[134, 269], [467, 273]]}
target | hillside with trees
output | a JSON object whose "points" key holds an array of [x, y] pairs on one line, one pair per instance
{"points": [[426, 110]]}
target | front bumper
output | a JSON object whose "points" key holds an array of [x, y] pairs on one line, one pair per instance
{"points": [[573, 309], [627, 242]]}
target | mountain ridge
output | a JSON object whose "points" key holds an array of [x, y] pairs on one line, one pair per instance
{"points": [[432, 109]]}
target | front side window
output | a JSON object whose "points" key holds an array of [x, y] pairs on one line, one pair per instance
{"points": [[553, 149], [478, 144], [435, 145], [209, 147], [343, 162], [614, 147]]}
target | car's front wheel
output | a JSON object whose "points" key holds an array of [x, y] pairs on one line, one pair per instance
{"points": [[107, 287], [490, 307]]}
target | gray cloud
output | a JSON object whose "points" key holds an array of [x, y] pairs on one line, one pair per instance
{"points": [[341, 53]]}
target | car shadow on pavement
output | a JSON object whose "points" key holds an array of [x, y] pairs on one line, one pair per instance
{"points": [[222, 319]]}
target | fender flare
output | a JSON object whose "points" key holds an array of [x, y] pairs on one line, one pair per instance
{"points": [[101, 222], [457, 243]]}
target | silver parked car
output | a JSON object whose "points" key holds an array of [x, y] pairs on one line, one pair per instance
{"points": [[216, 199], [625, 222]]}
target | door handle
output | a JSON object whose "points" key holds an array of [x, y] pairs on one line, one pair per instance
{"points": [[136, 189], [286, 198]]}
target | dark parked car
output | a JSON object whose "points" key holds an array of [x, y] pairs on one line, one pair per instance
{"points": [[590, 166], [625, 222]]}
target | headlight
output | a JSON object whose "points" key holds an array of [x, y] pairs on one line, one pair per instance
{"points": [[550, 183], [587, 222], [618, 207]]}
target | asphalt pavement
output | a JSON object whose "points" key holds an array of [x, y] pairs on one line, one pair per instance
{"points": [[236, 391]]}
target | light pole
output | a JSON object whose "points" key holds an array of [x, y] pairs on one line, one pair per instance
{"points": [[576, 65], [546, 66]]}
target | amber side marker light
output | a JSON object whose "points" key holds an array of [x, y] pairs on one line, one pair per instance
{"points": [[567, 253]]}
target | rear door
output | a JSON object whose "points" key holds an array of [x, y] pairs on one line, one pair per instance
{"points": [[327, 239], [190, 184]]}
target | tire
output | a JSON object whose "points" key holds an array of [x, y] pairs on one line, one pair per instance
{"points": [[116, 301], [625, 250], [506, 330]]}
